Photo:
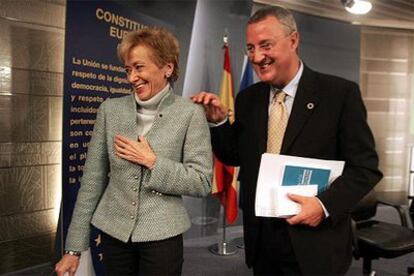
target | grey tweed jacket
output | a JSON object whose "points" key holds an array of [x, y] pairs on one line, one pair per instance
{"points": [[126, 200]]}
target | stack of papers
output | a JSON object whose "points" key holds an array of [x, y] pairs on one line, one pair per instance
{"points": [[283, 174]]}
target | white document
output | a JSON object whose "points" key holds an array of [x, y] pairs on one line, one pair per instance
{"points": [[271, 200]]}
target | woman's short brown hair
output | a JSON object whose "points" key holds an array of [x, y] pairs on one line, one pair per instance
{"points": [[163, 45]]}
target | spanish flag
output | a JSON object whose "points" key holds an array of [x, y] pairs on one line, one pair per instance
{"points": [[224, 187]]}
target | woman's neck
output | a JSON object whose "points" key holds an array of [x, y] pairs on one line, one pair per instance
{"points": [[152, 103]]}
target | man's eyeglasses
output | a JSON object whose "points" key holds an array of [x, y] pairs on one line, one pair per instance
{"points": [[264, 46]]}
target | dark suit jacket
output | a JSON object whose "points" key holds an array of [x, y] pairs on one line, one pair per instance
{"points": [[336, 129]]}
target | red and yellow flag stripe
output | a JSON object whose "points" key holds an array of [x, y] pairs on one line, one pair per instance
{"points": [[225, 176]]}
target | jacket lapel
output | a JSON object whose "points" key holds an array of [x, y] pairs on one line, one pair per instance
{"points": [[128, 119], [263, 95], [166, 102], [306, 101]]}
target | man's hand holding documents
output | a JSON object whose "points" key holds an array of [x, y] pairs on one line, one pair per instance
{"points": [[311, 212], [287, 186]]}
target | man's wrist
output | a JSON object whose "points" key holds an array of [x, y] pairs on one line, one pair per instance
{"points": [[213, 124], [73, 253], [326, 213]]}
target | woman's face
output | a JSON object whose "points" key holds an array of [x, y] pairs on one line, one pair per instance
{"points": [[146, 78]]}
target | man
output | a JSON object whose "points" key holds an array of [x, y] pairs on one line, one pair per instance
{"points": [[326, 119]]}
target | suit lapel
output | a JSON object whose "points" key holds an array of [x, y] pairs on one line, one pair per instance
{"points": [[167, 101], [127, 118], [127, 122], [306, 101], [262, 100], [162, 115]]}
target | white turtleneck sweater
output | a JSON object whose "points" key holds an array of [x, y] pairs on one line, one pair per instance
{"points": [[146, 110]]}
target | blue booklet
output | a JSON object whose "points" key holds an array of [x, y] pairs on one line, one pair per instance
{"points": [[297, 175]]}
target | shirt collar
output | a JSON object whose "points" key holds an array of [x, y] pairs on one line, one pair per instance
{"points": [[291, 88], [153, 102]]}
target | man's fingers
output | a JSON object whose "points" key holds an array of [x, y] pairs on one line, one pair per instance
{"points": [[204, 98], [311, 213], [215, 111], [200, 97], [216, 103], [296, 198], [212, 109], [295, 219], [302, 219], [208, 99]]}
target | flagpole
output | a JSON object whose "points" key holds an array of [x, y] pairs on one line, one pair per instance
{"points": [[246, 80], [223, 248], [224, 223], [238, 242]]}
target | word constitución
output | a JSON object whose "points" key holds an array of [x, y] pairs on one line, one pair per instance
{"points": [[118, 21]]}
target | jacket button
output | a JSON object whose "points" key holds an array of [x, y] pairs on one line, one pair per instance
{"points": [[132, 217], [134, 203], [136, 177], [153, 191], [135, 189]]}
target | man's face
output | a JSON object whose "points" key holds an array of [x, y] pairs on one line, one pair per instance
{"points": [[272, 51]]}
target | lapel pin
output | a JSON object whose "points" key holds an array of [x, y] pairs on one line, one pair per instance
{"points": [[310, 106]]}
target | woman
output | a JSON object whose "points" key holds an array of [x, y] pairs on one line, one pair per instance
{"points": [[154, 147]]}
